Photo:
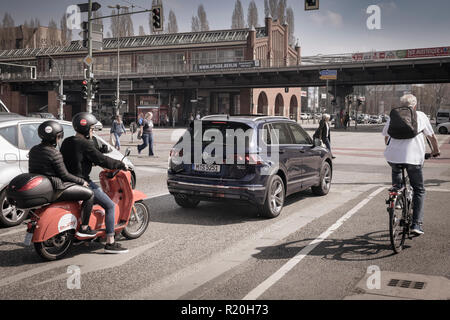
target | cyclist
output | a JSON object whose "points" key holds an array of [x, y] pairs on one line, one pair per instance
{"points": [[410, 153]]}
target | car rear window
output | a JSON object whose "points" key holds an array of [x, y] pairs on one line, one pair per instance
{"points": [[10, 134], [227, 129], [443, 114]]}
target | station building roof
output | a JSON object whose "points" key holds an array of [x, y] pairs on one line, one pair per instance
{"points": [[148, 41]]}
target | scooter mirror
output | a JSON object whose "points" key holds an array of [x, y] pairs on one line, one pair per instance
{"points": [[127, 152]]}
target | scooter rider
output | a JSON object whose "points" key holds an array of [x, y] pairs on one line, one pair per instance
{"points": [[80, 154], [45, 159]]}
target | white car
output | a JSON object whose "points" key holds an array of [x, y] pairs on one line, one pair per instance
{"points": [[98, 126], [17, 136], [443, 128], [303, 116]]}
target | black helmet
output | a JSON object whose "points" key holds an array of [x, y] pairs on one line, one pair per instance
{"points": [[49, 130], [82, 122]]}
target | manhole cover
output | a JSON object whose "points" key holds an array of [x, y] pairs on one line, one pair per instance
{"points": [[407, 284], [395, 285]]}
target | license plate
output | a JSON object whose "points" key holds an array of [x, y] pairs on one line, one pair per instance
{"points": [[28, 238], [207, 167]]}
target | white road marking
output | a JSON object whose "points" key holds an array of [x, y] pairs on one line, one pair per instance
{"points": [[13, 232], [88, 262], [264, 286], [151, 169], [185, 280]]}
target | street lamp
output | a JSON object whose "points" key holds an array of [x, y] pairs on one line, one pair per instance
{"points": [[118, 7], [61, 90]]}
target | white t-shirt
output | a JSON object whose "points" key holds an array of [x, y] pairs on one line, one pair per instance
{"points": [[410, 151]]}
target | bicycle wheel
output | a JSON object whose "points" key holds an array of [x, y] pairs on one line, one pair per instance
{"points": [[397, 226]]}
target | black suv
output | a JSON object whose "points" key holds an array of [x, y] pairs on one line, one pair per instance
{"points": [[277, 158]]}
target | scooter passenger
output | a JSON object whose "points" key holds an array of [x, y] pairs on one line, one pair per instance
{"points": [[46, 160], [80, 154]]}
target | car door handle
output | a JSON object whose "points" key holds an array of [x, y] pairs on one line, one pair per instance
{"points": [[302, 151], [281, 151]]}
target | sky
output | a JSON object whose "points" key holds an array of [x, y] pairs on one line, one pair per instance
{"points": [[339, 26]]}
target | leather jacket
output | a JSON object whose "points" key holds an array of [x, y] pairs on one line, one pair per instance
{"points": [[46, 160]]}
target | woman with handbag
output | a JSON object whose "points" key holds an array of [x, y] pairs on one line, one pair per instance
{"points": [[146, 131]]}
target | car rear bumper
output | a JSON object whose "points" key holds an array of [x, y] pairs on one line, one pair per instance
{"points": [[253, 193]]}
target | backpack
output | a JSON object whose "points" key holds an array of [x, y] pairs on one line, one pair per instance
{"points": [[403, 123]]}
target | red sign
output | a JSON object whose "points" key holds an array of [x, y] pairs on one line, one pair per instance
{"points": [[428, 52]]}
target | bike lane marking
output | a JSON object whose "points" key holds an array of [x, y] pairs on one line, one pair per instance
{"points": [[269, 282], [185, 280]]}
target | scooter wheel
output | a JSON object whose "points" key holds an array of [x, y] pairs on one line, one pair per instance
{"points": [[55, 248], [139, 220]]}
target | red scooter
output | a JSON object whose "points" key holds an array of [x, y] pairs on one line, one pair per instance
{"points": [[52, 227]]}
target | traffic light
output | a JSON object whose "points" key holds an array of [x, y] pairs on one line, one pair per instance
{"points": [[157, 19], [84, 88], [311, 5], [95, 86]]}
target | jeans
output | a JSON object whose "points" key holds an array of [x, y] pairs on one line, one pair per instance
{"points": [[416, 179], [327, 143], [106, 203], [117, 136], [147, 138]]}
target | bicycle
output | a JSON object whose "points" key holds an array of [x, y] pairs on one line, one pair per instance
{"points": [[400, 211]]}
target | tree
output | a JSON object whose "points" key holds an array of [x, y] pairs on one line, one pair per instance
{"points": [[195, 24], [172, 25], [290, 21], [252, 15], [66, 33], [237, 20], [281, 11], [201, 13], [52, 34], [7, 37], [266, 8], [273, 7], [127, 24], [141, 31]]}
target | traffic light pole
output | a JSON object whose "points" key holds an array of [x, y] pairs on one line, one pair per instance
{"points": [[89, 96]]}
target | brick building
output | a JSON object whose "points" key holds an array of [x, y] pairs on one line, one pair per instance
{"points": [[144, 56]]}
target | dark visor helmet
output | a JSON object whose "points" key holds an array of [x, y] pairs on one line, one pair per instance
{"points": [[82, 123], [49, 131]]}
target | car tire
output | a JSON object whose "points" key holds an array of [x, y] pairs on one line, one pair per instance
{"points": [[185, 202], [274, 198], [325, 181], [10, 216], [443, 130]]}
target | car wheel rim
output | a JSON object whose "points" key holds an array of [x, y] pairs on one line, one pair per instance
{"points": [[277, 197], [11, 213], [326, 178]]}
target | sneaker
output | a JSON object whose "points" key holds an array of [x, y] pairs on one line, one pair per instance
{"points": [[417, 229], [115, 248], [88, 233]]}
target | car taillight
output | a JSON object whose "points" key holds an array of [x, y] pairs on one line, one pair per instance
{"points": [[251, 158], [32, 184], [176, 153]]}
